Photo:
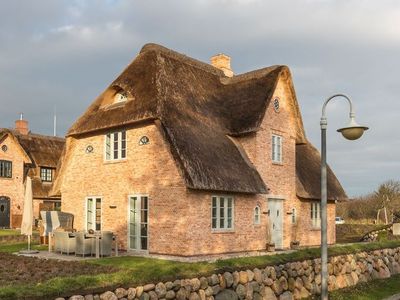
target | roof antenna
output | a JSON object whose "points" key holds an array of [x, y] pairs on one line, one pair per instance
{"points": [[55, 121], [21, 116]]}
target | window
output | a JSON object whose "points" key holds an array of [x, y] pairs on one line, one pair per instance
{"points": [[276, 148], [222, 213], [257, 211], [115, 145], [46, 174], [5, 168], [316, 214], [93, 213], [121, 96], [294, 216]]}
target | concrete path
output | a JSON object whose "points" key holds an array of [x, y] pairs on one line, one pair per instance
{"points": [[394, 297]]}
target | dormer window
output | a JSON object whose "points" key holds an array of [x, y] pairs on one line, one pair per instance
{"points": [[121, 96]]}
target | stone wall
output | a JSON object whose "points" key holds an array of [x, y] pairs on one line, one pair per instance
{"points": [[293, 280]]}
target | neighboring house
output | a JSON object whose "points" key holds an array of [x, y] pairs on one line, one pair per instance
{"points": [[23, 154], [180, 157]]}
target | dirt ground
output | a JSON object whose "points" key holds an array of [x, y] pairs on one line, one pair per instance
{"points": [[21, 270]]}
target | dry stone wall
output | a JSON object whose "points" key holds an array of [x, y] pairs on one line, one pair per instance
{"points": [[295, 280]]}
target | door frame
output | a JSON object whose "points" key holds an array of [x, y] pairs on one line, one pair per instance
{"points": [[141, 251], [281, 216], [8, 201]]}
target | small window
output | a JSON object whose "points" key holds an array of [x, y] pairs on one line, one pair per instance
{"points": [[93, 214], [276, 148], [222, 213], [5, 168], [46, 174], [294, 216], [115, 145], [257, 212], [121, 96], [316, 214]]}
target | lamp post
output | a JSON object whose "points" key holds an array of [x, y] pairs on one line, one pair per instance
{"points": [[352, 131]]}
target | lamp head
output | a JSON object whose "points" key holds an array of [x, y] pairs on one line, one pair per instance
{"points": [[352, 131]]}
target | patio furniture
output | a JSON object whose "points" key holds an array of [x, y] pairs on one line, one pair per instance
{"points": [[68, 243], [57, 240], [83, 245], [106, 240]]}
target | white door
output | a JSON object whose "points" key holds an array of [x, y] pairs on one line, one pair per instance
{"points": [[138, 222], [275, 207]]}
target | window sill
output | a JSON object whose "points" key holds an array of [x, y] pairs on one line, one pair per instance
{"points": [[7, 178], [315, 229], [275, 163], [223, 231], [115, 161]]}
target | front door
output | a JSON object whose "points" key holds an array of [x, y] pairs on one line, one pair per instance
{"points": [[138, 222], [275, 207], [4, 212]]}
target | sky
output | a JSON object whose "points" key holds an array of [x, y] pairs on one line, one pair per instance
{"points": [[62, 54]]}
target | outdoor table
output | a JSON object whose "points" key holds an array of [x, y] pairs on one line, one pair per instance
{"points": [[97, 236]]}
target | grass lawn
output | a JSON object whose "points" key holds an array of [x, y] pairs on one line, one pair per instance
{"points": [[352, 233], [372, 290], [7, 232], [132, 271]]}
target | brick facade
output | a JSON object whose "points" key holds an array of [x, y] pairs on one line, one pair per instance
{"points": [[24, 164], [13, 188], [180, 218]]}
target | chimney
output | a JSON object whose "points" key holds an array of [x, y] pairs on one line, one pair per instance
{"points": [[222, 62], [21, 125]]}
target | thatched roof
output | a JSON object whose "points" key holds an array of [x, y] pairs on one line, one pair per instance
{"points": [[42, 151], [308, 171], [198, 108]]}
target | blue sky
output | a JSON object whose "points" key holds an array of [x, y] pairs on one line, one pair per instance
{"points": [[64, 53]]}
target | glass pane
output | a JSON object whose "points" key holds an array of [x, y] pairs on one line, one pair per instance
{"points": [[229, 202], [214, 223], [143, 216], [229, 223], [133, 242], [143, 230], [143, 243], [144, 202], [229, 212], [221, 223], [214, 201], [221, 212], [214, 212]]}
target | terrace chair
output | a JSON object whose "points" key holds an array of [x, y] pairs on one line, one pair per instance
{"points": [[106, 241], [68, 244], [58, 240], [83, 245]]}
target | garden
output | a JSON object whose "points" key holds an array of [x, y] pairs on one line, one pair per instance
{"points": [[33, 278]]}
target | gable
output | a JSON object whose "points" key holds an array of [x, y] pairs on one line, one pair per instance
{"points": [[8, 139]]}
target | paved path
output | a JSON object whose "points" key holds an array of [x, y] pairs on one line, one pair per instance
{"points": [[394, 297]]}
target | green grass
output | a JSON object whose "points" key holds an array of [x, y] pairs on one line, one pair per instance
{"points": [[372, 290], [140, 270], [7, 232], [15, 247]]}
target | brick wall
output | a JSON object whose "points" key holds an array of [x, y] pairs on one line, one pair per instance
{"points": [[281, 178], [13, 187]]}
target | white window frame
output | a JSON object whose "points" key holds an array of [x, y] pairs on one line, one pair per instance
{"points": [[276, 148], [294, 216], [94, 215], [148, 222], [44, 174], [316, 214], [218, 216], [257, 215], [110, 148]]}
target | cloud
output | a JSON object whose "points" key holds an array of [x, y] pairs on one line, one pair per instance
{"points": [[64, 53]]}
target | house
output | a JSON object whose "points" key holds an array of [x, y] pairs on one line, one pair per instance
{"points": [[22, 154], [179, 157]]}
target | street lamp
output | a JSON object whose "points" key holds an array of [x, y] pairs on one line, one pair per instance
{"points": [[352, 131]]}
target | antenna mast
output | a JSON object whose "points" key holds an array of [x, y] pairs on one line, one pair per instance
{"points": [[55, 121]]}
